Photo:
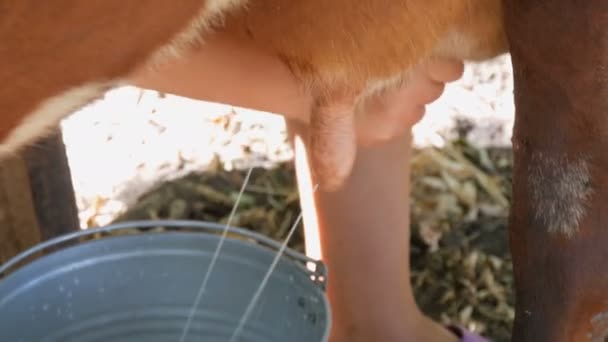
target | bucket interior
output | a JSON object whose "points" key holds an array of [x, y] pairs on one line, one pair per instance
{"points": [[141, 287]]}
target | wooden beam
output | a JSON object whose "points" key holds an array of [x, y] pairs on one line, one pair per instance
{"points": [[36, 196]]}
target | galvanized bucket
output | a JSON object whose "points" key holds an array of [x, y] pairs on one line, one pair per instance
{"points": [[119, 283]]}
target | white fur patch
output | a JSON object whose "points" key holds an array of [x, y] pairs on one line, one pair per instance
{"points": [[375, 87], [560, 188], [456, 45], [209, 15], [219, 6], [599, 327], [49, 114]]}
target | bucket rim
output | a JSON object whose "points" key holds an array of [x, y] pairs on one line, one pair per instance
{"points": [[318, 271], [315, 270]]}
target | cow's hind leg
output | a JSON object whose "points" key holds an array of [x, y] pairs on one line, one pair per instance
{"points": [[559, 216]]}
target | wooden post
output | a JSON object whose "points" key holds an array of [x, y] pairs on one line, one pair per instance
{"points": [[52, 188], [36, 196], [18, 224]]}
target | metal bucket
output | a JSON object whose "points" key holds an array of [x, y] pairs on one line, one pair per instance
{"points": [[126, 285]]}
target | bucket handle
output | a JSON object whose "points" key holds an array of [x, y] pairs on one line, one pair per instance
{"points": [[315, 268]]}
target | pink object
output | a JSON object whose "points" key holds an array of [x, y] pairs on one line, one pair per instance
{"points": [[465, 335]]}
